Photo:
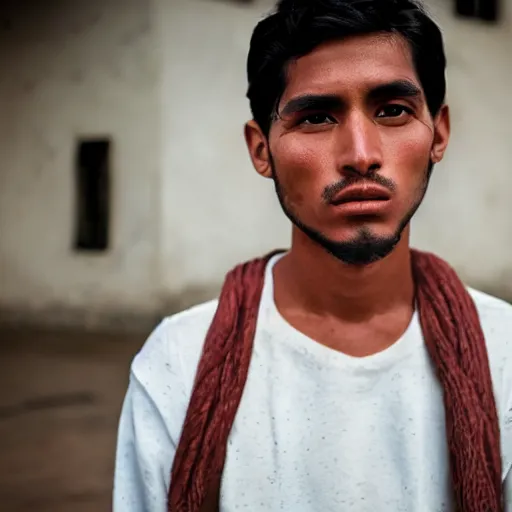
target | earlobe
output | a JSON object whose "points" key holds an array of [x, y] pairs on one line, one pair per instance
{"points": [[257, 144], [441, 134]]}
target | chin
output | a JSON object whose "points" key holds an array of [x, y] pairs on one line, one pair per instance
{"points": [[358, 246], [363, 249]]}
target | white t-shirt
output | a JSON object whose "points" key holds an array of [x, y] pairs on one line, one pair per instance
{"points": [[316, 430]]}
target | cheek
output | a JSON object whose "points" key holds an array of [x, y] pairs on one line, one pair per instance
{"points": [[409, 157], [299, 168]]}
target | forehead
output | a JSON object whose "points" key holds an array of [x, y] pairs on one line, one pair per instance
{"points": [[351, 66]]}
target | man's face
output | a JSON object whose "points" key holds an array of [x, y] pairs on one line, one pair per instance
{"points": [[352, 146]]}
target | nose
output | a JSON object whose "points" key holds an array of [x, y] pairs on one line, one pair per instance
{"points": [[360, 144]]}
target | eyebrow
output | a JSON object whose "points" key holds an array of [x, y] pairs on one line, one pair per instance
{"points": [[329, 102], [395, 89], [309, 102]]}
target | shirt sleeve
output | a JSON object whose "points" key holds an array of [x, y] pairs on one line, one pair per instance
{"points": [[151, 418]]}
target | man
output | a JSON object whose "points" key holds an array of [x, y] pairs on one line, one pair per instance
{"points": [[350, 372]]}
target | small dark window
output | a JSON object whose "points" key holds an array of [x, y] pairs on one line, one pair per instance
{"points": [[92, 195], [466, 7], [487, 10]]}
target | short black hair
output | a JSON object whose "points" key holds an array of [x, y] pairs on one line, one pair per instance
{"points": [[297, 27]]}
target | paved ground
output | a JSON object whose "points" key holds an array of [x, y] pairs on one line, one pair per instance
{"points": [[60, 398]]}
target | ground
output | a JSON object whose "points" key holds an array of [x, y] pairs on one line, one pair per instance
{"points": [[60, 398]]}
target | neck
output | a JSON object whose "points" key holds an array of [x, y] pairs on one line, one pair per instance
{"points": [[310, 278]]}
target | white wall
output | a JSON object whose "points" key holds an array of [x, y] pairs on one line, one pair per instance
{"points": [[216, 210], [166, 80], [467, 215], [73, 69]]}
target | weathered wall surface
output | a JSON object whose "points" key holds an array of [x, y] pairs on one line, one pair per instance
{"points": [[467, 215], [216, 210], [72, 70], [166, 81]]}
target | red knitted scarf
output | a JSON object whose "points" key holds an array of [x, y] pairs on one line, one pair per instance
{"points": [[455, 341]]}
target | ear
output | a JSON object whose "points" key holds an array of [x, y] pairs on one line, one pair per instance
{"points": [[441, 134], [257, 144]]}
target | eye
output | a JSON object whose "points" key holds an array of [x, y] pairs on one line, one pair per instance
{"points": [[316, 119], [394, 111]]}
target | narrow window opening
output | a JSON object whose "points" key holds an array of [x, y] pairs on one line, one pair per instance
{"points": [[466, 8], [488, 10], [92, 195]]}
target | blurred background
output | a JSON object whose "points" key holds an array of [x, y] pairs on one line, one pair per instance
{"points": [[126, 194]]}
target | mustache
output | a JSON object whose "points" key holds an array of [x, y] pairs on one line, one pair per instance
{"points": [[332, 190]]}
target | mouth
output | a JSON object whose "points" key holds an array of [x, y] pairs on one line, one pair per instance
{"points": [[361, 194], [362, 202]]}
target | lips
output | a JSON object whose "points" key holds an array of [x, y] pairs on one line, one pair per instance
{"points": [[361, 193]]}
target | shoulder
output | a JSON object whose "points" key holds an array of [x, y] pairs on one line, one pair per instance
{"points": [[496, 321], [170, 354]]}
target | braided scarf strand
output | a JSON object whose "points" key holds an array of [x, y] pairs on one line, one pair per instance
{"points": [[455, 342], [220, 379]]}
